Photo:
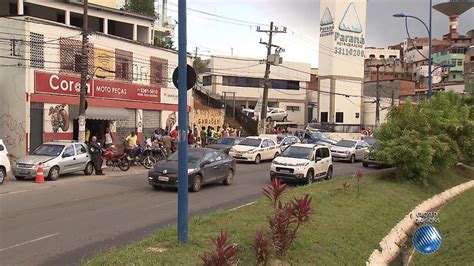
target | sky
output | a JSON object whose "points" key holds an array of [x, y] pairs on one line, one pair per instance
{"points": [[301, 17]]}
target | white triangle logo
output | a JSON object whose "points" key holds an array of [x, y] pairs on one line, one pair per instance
{"points": [[350, 21], [327, 18]]}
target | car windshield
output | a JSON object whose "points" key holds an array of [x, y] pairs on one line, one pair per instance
{"points": [[280, 139], [370, 140], [226, 141], [194, 156], [297, 152], [250, 142], [319, 135], [346, 143], [48, 150]]}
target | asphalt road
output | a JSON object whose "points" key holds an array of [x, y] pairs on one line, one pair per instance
{"points": [[68, 221]]}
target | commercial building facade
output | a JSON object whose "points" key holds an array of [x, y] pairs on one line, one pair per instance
{"points": [[129, 86]]}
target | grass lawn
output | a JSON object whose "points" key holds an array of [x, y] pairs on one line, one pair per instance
{"points": [[456, 227], [345, 227]]}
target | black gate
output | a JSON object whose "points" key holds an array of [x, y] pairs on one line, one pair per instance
{"points": [[36, 125]]}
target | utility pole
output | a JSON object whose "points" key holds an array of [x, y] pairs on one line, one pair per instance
{"points": [[266, 83], [377, 94], [84, 70]]}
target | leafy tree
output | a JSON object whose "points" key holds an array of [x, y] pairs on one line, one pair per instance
{"points": [[167, 43], [429, 137], [141, 7], [200, 65]]}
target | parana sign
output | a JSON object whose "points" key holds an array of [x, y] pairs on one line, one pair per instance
{"points": [[349, 39]]}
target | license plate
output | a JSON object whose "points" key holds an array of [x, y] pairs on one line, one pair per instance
{"points": [[163, 178], [284, 171], [22, 172]]}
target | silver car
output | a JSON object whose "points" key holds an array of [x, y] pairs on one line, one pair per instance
{"points": [[349, 150], [58, 157]]}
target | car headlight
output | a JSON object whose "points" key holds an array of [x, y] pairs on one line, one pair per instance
{"points": [[190, 170], [347, 152], [302, 164], [232, 150]]}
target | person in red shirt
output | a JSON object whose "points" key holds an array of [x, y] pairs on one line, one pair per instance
{"points": [[174, 133]]}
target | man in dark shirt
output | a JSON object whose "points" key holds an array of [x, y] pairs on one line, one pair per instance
{"points": [[95, 152]]}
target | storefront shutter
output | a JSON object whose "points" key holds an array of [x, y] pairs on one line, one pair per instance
{"points": [[151, 121], [124, 127]]}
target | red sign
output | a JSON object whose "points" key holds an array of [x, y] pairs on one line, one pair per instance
{"points": [[70, 85], [125, 91], [59, 84]]}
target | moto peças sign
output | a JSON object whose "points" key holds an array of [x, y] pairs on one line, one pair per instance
{"points": [[69, 85]]}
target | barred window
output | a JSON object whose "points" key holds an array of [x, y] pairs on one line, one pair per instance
{"points": [[207, 80], [70, 56], [36, 50], [159, 71], [123, 65]]}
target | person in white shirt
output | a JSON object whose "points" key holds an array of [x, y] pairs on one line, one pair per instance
{"points": [[109, 139]]}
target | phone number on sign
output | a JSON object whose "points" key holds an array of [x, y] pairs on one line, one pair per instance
{"points": [[349, 51]]}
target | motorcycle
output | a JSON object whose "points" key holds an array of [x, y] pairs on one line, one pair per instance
{"points": [[119, 160], [159, 152], [141, 155]]}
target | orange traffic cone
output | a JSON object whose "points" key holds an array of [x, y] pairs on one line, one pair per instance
{"points": [[39, 174]]}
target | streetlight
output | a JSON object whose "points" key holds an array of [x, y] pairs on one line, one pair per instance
{"points": [[430, 80]]}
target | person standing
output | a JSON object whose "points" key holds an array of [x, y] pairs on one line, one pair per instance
{"points": [[109, 138], [132, 140], [167, 143], [191, 138], [203, 137], [174, 133], [95, 152], [88, 135]]}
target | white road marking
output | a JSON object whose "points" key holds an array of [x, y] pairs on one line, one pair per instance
{"points": [[27, 242], [163, 204], [21, 191], [238, 207]]}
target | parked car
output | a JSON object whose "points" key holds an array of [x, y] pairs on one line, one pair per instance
{"points": [[349, 150], [225, 144], [58, 157], [4, 162], [277, 114], [317, 138], [370, 140], [286, 140], [255, 149], [303, 162], [204, 166], [370, 157]]}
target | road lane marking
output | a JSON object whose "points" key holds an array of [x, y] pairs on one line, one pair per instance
{"points": [[30, 241], [21, 191], [163, 204], [238, 207]]}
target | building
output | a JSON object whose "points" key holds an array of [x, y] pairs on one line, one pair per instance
{"points": [[129, 87], [454, 55], [469, 70], [240, 81], [381, 53]]}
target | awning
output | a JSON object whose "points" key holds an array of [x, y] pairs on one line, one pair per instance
{"points": [[100, 113]]}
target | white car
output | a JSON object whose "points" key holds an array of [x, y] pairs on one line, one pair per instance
{"points": [[285, 141], [255, 149], [4, 162], [349, 150], [277, 114], [303, 162]]}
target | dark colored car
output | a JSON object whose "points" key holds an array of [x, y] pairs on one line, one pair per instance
{"points": [[204, 166], [225, 144], [316, 138]]}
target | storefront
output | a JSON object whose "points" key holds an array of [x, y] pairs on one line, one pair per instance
{"points": [[122, 107]]}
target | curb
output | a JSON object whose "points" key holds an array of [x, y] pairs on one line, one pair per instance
{"points": [[391, 244]]}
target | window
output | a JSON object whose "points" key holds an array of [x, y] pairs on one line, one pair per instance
{"points": [[70, 56], [292, 108], [339, 117], [1, 148], [371, 56], [241, 81], [159, 71], [123, 65], [357, 115], [207, 80], [454, 76], [36, 50], [459, 63], [80, 149], [285, 84], [472, 58], [325, 152], [69, 151], [319, 153], [382, 56], [324, 117]]}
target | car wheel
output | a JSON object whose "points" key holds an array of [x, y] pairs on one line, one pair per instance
{"points": [[365, 164], [276, 155], [156, 187], [285, 119], [353, 158], [257, 159], [329, 173], [269, 119], [19, 178], [53, 173], [197, 183], [89, 169], [309, 177], [229, 178], [3, 174]]}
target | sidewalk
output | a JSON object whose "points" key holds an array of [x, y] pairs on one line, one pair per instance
{"points": [[11, 185]]}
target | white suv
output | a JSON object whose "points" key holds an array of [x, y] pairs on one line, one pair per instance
{"points": [[277, 114], [303, 162], [4, 162]]}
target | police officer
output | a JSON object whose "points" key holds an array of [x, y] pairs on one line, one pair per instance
{"points": [[95, 151]]}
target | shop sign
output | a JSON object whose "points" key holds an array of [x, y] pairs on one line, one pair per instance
{"points": [[59, 84], [70, 85], [350, 39], [327, 24]]}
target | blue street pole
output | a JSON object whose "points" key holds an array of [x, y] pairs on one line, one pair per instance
{"points": [[430, 77], [182, 126]]}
